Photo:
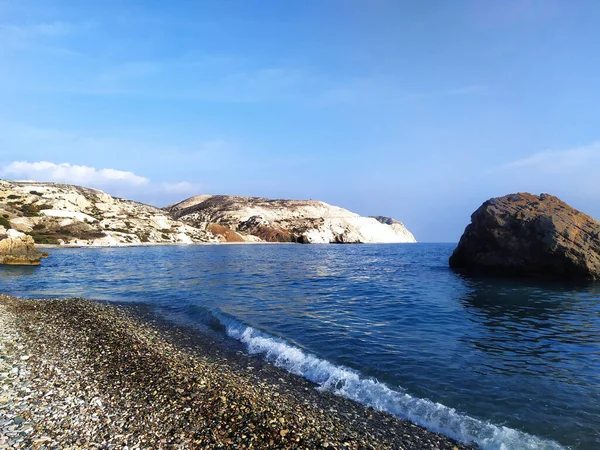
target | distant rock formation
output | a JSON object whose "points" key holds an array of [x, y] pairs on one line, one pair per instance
{"points": [[17, 248], [525, 234], [304, 221], [395, 224], [62, 214]]}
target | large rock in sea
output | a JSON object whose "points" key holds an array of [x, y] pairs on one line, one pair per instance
{"points": [[19, 249], [525, 234]]}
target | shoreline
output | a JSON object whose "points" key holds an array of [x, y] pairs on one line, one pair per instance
{"points": [[161, 244], [108, 376], [191, 244]]}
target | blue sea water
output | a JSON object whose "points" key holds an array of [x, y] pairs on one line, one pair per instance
{"points": [[508, 364]]}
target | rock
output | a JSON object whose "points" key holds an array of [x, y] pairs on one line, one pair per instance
{"points": [[281, 220], [56, 213], [225, 233], [396, 225], [62, 214], [386, 220], [19, 249], [525, 234]]}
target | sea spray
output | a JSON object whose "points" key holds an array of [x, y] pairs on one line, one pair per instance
{"points": [[351, 384]]}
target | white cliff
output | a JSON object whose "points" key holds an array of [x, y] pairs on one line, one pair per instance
{"points": [[62, 214], [306, 221]]}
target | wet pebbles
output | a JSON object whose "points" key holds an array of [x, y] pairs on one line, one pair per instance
{"points": [[79, 374]]}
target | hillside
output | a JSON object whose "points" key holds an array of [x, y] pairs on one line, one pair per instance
{"points": [[236, 218], [64, 214]]}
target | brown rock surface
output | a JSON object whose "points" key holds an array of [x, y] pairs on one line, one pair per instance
{"points": [[525, 234], [227, 234], [19, 249]]}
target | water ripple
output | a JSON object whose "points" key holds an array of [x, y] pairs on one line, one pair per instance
{"points": [[522, 355]]}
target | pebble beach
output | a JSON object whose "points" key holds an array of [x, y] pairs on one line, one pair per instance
{"points": [[81, 374]]}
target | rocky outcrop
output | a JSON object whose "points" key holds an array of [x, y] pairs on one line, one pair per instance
{"points": [[395, 224], [304, 221], [62, 214], [224, 233], [17, 248], [525, 234]]}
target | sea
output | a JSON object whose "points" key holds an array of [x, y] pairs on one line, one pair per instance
{"points": [[504, 363]]}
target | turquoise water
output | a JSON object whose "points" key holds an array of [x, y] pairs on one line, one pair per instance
{"points": [[508, 364]]}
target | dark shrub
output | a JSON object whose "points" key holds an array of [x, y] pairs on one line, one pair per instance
{"points": [[5, 222]]}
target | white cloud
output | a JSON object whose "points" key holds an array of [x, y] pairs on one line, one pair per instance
{"points": [[130, 71], [42, 38], [390, 91], [570, 174], [119, 183], [44, 29], [551, 161], [182, 80], [182, 188], [73, 174], [51, 29], [468, 89]]}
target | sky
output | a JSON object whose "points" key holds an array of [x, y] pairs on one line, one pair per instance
{"points": [[418, 110]]}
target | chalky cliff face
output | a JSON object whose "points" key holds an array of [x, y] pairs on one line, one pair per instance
{"points": [[307, 221], [63, 214]]}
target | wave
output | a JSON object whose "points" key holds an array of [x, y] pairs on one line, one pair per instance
{"points": [[351, 384]]}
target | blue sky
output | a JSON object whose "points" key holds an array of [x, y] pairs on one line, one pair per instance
{"points": [[416, 110]]}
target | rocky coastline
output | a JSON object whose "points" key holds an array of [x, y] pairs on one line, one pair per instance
{"points": [[68, 215], [80, 374]]}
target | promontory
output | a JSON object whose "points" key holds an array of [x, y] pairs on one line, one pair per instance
{"points": [[62, 214]]}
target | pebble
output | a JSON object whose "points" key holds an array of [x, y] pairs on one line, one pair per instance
{"points": [[79, 374]]}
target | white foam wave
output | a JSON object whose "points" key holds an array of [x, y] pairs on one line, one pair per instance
{"points": [[351, 384]]}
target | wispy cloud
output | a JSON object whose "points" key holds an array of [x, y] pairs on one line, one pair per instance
{"points": [[386, 90], [40, 142], [190, 81], [28, 31], [552, 161], [182, 188], [510, 12], [206, 78], [467, 89], [44, 29], [571, 174], [212, 77], [46, 38], [120, 74]]}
